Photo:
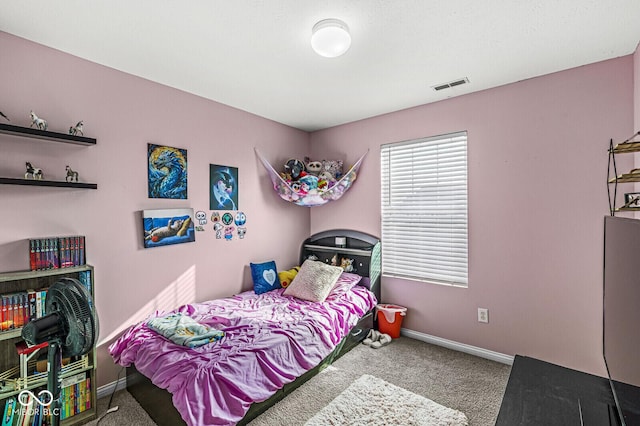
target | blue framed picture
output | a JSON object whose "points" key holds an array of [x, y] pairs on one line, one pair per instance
{"points": [[223, 187], [164, 227], [167, 169]]}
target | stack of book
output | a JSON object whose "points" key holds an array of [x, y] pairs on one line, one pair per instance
{"points": [[75, 397], [56, 252], [17, 309]]}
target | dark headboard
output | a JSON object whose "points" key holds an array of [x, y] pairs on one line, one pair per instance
{"points": [[363, 249]]}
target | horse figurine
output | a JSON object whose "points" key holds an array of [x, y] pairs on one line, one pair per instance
{"points": [[39, 122], [77, 129], [71, 175], [35, 172]]}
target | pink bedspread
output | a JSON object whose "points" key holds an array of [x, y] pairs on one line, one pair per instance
{"points": [[270, 340]]}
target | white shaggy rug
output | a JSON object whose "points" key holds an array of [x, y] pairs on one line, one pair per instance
{"points": [[372, 401]]}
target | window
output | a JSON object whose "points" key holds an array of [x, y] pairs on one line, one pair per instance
{"points": [[424, 209]]}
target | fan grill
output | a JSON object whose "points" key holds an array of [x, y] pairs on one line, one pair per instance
{"points": [[69, 298]]}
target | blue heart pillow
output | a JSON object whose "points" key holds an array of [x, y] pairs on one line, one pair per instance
{"points": [[265, 277]]}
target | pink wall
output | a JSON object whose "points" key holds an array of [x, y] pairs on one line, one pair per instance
{"points": [[537, 196], [125, 113], [537, 164]]}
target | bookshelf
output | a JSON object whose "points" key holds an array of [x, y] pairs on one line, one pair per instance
{"points": [[79, 374], [631, 204]]}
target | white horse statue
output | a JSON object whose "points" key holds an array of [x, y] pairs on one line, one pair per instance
{"points": [[39, 122], [77, 130], [71, 175], [35, 172]]}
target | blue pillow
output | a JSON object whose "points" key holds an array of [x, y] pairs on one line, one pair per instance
{"points": [[265, 277]]}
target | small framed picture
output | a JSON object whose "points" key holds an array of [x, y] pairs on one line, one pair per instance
{"points": [[167, 172], [167, 226], [632, 200], [223, 187]]}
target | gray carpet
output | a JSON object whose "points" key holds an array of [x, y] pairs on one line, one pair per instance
{"points": [[456, 380]]}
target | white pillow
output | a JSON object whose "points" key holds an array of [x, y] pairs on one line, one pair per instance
{"points": [[314, 281]]}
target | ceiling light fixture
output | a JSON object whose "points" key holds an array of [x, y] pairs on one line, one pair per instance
{"points": [[330, 38]]}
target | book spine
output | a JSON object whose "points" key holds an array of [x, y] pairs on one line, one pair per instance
{"points": [[67, 251], [26, 412], [19, 319], [39, 414], [55, 253], [33, 314], [82, 406], [3, 314], [62, 248], [38, 255], [82, 253], [88, 402], [85, 279], [77, 399], [77, 253], [38, 304], [11, 309], [7, 323], [32, 254], [9, 412], [26, 317], [44, 302], [47, 253]]}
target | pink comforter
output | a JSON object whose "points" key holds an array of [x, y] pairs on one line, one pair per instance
{"points": [[270, 340]]}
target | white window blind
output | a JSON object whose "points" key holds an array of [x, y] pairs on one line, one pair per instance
{"points": [[424, 209]]}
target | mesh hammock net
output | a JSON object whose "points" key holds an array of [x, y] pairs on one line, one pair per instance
{"points": [[315, 196]]}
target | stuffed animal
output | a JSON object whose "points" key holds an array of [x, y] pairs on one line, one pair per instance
{"points": [[334, 167], [313, 167], [346, 264], [295, 168], [309, 182], [326, 177], [287, 276]]}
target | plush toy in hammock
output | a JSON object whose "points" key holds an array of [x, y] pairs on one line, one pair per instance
{"points": [[290, 191]]}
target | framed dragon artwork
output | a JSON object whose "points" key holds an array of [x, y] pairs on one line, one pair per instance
{"points": [[167, 171]]}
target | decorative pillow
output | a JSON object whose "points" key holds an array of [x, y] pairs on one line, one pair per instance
{"points": [[345, 282], [265, 277], [314, 281]]}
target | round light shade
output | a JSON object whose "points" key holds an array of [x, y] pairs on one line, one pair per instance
{"points": [[330, 38]]}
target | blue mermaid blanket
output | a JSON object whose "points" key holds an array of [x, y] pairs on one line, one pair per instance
{"points": [[184, 330]]}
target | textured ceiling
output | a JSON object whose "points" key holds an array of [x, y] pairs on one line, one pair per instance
{"points": [[256, 55]]}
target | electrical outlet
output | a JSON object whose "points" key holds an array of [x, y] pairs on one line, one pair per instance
{"points": [[483, 315]]}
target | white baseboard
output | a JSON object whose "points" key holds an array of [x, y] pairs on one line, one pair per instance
{"points": [[109, 388], [461, 347]]}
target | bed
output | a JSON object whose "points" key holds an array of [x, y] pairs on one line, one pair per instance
{"points": [[273, 341]]}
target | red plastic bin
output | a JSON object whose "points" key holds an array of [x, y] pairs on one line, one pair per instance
{"points": [[390, 321]]}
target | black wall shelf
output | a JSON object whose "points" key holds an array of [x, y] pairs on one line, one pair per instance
{"points": [[29, 132], [54, 183]]}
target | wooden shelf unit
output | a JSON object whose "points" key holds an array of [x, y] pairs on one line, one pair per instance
{"points": [[11, 382]]}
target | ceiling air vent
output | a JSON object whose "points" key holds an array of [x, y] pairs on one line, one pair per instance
{"points": [[451, 84]]}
